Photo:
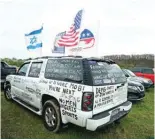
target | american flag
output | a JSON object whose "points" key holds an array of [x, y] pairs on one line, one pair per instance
{"points": [[71, 38], [58, 49]]}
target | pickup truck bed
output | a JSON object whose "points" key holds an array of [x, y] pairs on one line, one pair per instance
{"points": [[6, 70]]}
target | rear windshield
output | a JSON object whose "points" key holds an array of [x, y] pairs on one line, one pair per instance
{"points": [[64, 69], [104, 73]]}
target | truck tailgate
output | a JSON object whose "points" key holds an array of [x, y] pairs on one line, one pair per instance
{"points": [[107, 97]]}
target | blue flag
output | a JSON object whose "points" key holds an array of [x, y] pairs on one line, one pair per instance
{"points": [[33, 39]]}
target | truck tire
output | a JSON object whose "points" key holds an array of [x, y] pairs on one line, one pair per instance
{"points": [[7, 92], [51, 116]]}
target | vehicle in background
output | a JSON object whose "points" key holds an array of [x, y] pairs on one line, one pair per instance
{"points": [[136, 91], [144, 72], [14, 67], [147, 83], [6, 70]]}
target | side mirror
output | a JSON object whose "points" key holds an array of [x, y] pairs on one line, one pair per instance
{"points": [[16, 73]]}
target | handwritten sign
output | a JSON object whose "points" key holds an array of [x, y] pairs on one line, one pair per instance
{"points": [[104, 96], [65, 69], [99, 74]]}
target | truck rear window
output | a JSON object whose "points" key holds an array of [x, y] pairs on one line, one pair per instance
{"points": [[64, 69], [104, 73]]}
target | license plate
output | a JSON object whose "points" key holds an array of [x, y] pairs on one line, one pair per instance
{"points": [[115, 111]]}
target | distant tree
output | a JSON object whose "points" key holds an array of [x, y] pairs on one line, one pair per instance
{"points": [[13, 61], [125, 61]]}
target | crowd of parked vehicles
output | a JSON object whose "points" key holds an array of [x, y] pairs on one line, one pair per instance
{"points": [[136, 85], [144, 72], [146, 82], [88, 92]]}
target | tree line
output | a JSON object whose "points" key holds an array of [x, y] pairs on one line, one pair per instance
{"points": [[123, 57], [125, 61], [129, 61]]}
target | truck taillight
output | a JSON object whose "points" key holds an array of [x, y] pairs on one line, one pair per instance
{"points": [[87, 101]]}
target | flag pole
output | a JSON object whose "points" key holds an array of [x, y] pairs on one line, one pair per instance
{"points": [[42, 39], [97, 42], [41, 52], [83, 11], [41, 42], [64, 51]]}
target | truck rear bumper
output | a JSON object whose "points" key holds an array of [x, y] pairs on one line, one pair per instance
{"points": [[108, 117]]}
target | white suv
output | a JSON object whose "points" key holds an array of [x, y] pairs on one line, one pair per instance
{"points": [[88, 92]]}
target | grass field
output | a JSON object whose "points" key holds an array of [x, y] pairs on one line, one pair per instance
{"points": [[18, 122]]}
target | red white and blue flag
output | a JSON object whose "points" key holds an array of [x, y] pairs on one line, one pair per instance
{"points": [[87, 39], [71, 38], [58, 49]]}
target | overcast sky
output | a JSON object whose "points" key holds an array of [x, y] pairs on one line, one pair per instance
{"points": [[122, 26]]}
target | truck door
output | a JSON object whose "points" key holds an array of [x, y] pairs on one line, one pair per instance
{"points": [[18, 84], [31, 84]]}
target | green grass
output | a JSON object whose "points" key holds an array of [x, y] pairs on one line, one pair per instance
{"points": [[18, 122]]}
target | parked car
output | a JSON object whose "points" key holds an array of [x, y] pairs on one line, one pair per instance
{"points": [[6, 70], [88, 92], [136, 91], [147, 83], [144, 72]]}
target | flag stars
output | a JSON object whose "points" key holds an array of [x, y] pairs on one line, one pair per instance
{"points": [[33, 40], [83, 35], [88, 34]]}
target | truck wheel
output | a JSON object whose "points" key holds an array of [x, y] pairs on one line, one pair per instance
{"points": [[51, 116], [7, 92]]}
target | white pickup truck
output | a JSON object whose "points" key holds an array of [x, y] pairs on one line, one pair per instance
{"points": [[88, 92]]}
